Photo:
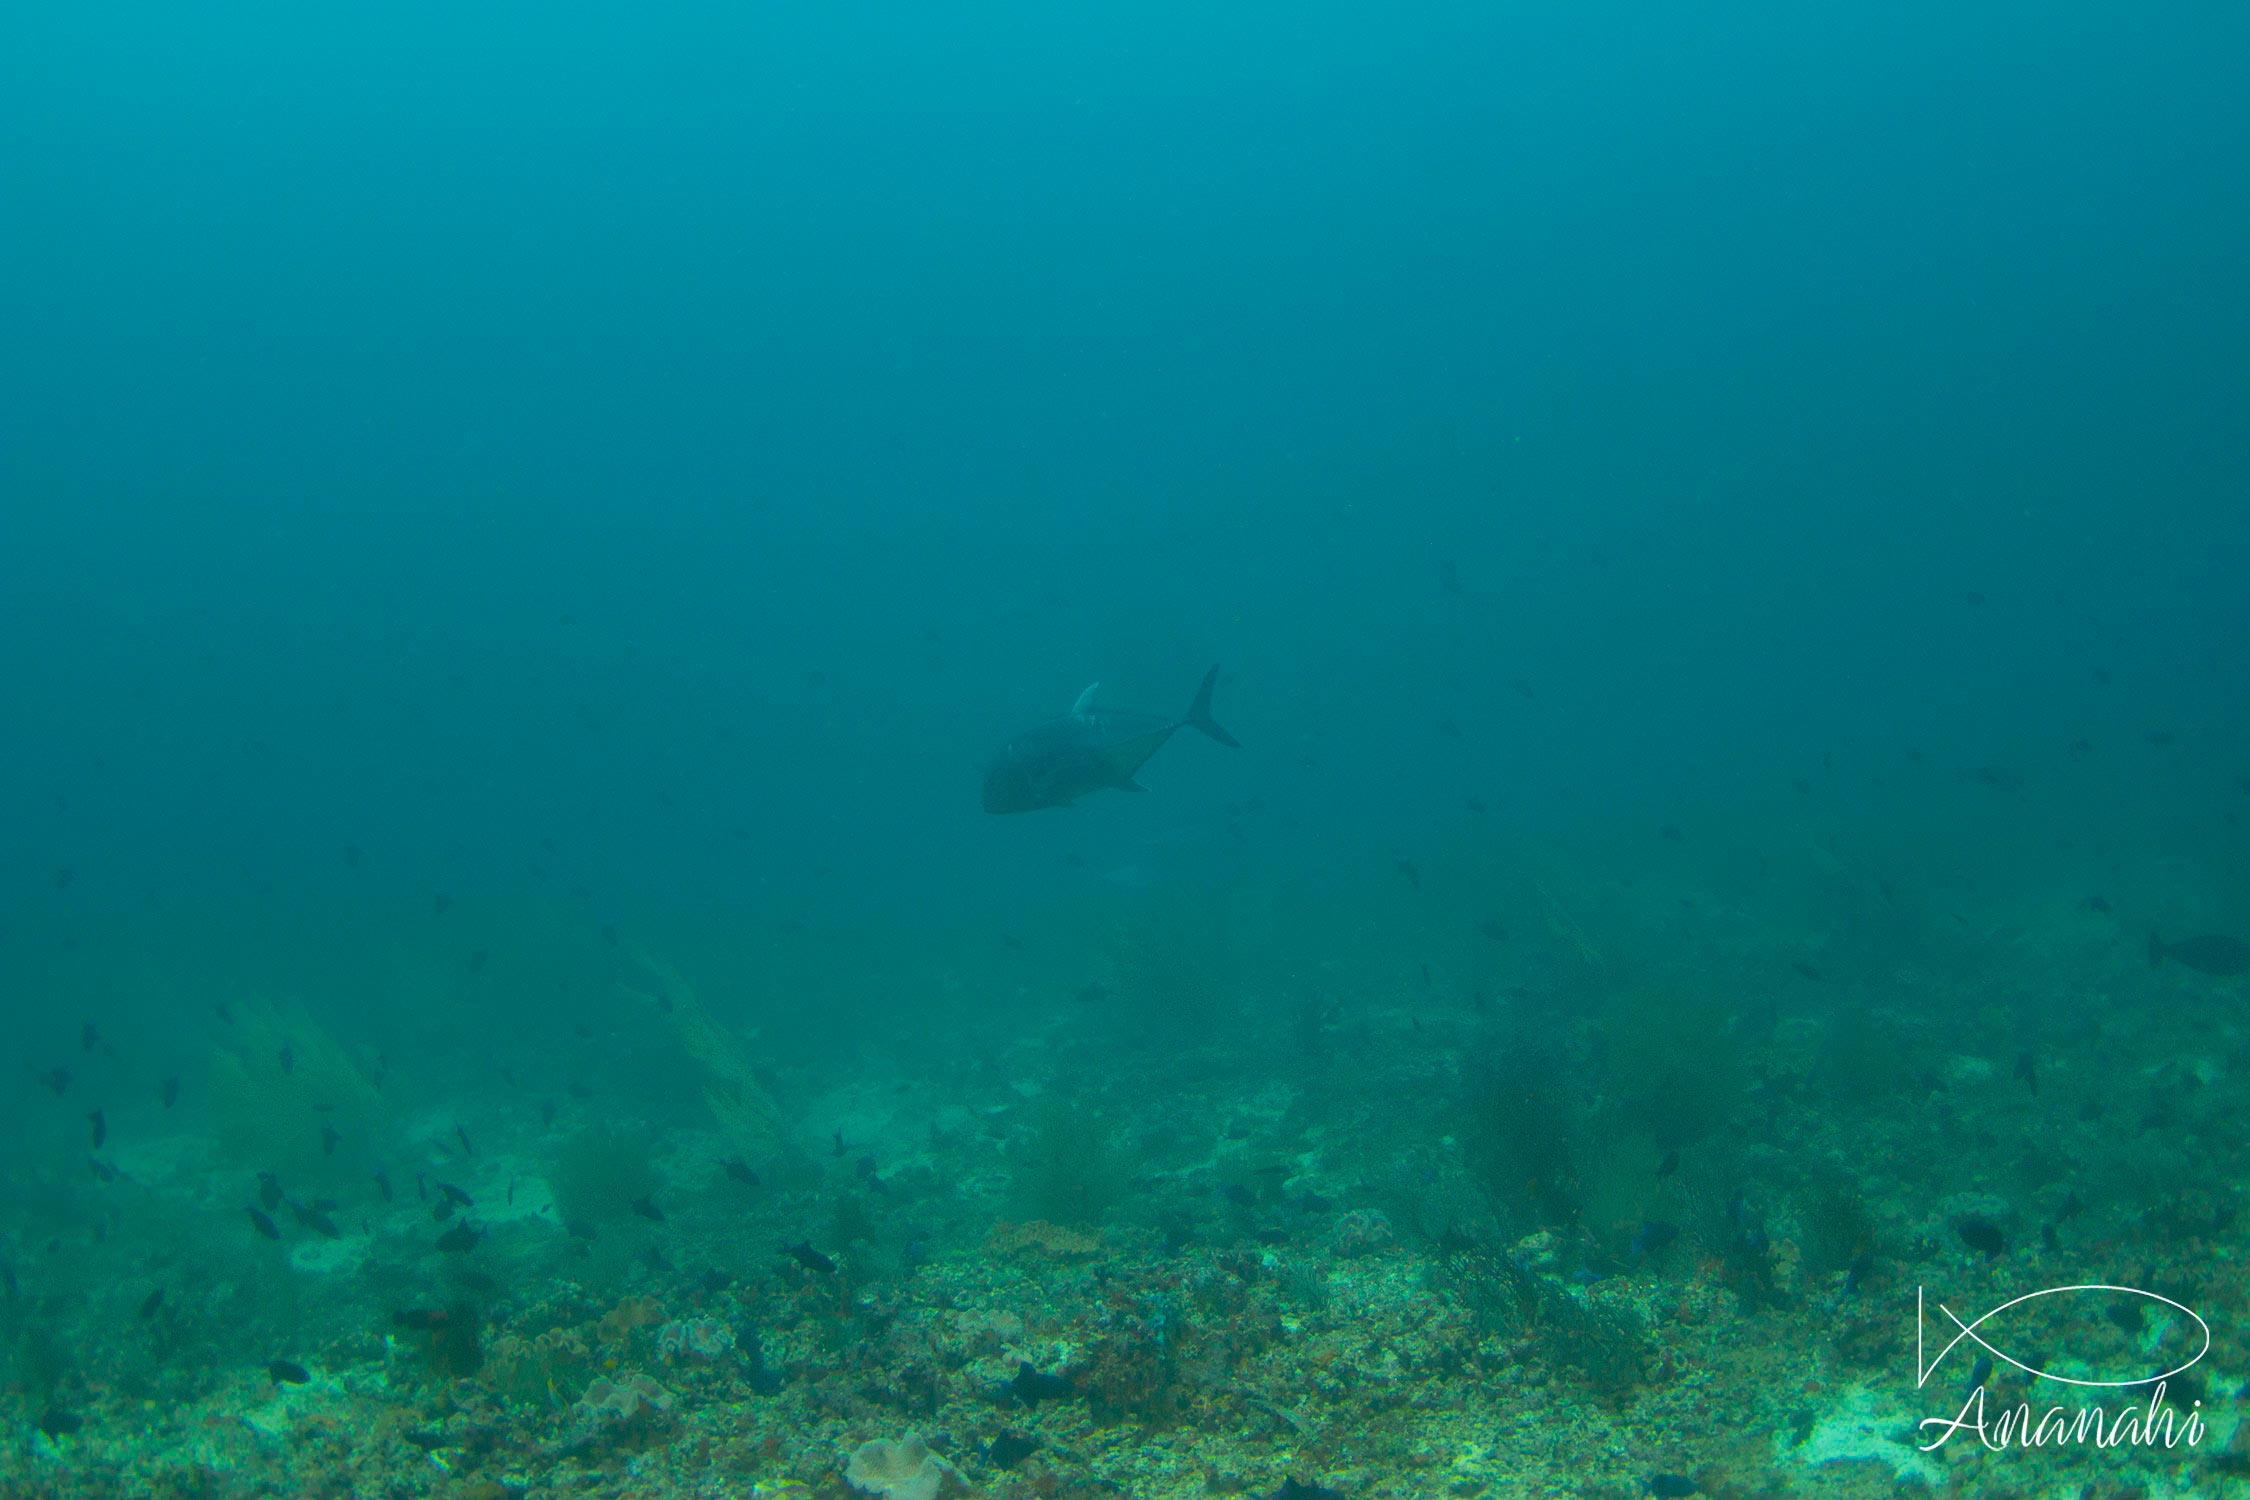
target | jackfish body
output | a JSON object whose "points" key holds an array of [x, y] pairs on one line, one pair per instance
{"points": [[1088, 750]]}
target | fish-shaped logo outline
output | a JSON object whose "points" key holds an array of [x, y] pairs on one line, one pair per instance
{"points": [[1924, 1369]]}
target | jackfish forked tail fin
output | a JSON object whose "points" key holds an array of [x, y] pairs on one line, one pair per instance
{"points": [[1199, 712]]}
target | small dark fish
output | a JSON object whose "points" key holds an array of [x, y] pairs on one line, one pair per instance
{"points": [[579, 1229], [840, 1148], [1862, 1267], [269, 1191], [8, 1279], [1981, 1371], [422, 1320], [151, 1303], [288, 1372], [263, 1225], [1092, 993], [1669, 1165], [2048, 1237], [1652, 1236], [812, 1260], [1671, 834], [2162, 739], [54, 1422], [1491, 929], [97, 1127], [329, 1136], [645, 1206], [511, 1192], [478, 959], [1807, 970], [440, 904], [1448, 730], [466, 1148], [460, 1239], [1409, 874], [1033, 1385], [351, 856], [546, 1114], [102, 1169], [2071, 1208], [443, 1211], [1473, 804], [739, 1170], [455, 1195], [89, 1037], [56, 1080], [1009, 1449], [62, 877], [579, 1090], [288, 1058], [383, 1185], [421, 1188], [1449, 576], [1670, 1486], [2097, 904], [2027, 1072], [169, 1092], [316, 1220], [1981, 1235], [1749, 1225], [2215, 954]]}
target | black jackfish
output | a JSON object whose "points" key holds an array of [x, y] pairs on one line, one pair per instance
{"points": [[1088, 750], [2216, 954]]}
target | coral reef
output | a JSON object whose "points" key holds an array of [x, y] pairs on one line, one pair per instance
{"points": [[904, 1470], [1446, 1257], [695, 1339], [278, 1067], [597, 1174], [1069, 1173], [1037, 1237], [633, 1400], [746, 1113], [1521, 1130]]}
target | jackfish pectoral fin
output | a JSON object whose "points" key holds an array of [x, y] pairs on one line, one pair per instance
{"points": [[1085, 700]]}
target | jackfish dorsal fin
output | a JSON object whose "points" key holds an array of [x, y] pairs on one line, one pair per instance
{"points": [[1085, 700]]}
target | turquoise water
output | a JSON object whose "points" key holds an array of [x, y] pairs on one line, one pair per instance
{"points": [[524, 531]]}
